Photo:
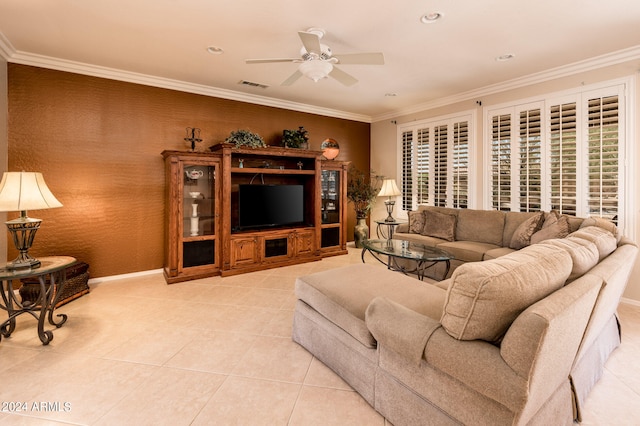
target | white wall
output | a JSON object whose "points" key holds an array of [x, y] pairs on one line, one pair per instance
{"points": [[384, 152]]}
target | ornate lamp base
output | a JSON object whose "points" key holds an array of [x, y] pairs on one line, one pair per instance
{"points": [[389, 205], [23, 230]]}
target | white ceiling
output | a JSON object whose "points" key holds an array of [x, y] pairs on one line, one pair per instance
{"points": [[165, 42]]}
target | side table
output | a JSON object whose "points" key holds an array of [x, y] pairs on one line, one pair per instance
{"points": [[386, 229], [45, 305]]}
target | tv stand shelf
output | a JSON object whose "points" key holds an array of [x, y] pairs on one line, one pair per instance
{"points": [[269, 247], [253, 170]]}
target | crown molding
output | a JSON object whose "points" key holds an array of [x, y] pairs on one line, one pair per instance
{"points": [[6, 48], [609, 59], [42, 61], [8, 52]]}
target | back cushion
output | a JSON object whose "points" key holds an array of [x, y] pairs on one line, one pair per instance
{"points": [[484, 298], [604, 224], [604, 240], [482, 226], [584, 254]]}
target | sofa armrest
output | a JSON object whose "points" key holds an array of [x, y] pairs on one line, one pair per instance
{"points": [[403, 227], [422, 340], [399, 328]]}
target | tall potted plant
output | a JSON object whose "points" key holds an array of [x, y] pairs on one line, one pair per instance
{"points": [[362, 191]]}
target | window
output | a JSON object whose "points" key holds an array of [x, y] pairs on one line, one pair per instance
{"points": [[563, 158], [603, 146], [501, 161], [561, 153], [436, 162], [460, 171], [530, 156], [407, 170]]}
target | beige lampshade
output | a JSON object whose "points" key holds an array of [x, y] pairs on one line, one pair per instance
{"points": [[21, 191], [389, 189]]}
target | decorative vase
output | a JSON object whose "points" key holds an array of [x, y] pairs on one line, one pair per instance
{"points": [[194, 220], [360, 232]]}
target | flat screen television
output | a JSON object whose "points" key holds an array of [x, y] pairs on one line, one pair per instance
{"points": [[264, 206]]}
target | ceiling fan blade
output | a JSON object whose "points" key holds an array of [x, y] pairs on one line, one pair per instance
{"points": [[343, 77], [311, 42], [266, 61], [371, 58], [292, 78]]}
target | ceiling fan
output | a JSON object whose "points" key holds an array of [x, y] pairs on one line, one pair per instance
{"points": [[317, 61]]}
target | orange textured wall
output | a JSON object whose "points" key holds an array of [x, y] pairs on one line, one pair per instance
{"points": [[98, 144]]}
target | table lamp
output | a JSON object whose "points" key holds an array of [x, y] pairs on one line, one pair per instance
{"points": [[389, 189], [22, 191]]}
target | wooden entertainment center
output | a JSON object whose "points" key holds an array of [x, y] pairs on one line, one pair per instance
{"points": [[204, 236]]}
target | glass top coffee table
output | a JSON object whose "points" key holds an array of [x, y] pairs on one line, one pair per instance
{"points": [[422, 256]]}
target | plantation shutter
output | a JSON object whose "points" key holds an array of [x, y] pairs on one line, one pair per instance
{"points": [[407, 170], [563, 157], [530, 164], [422, 159], [440, 151], [435, 162], [460, 170], [501, 162], [603, 133]]}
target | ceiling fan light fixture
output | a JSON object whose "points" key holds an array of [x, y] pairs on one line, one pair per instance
{"points": [[316, 69]]}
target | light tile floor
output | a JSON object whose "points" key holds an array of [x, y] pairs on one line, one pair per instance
{"points": [[136, 351]]}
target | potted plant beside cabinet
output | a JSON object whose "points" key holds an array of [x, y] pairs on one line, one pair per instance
{"points": [[362, 191]]}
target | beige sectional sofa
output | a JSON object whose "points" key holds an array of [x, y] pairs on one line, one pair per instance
{"points": [[518, 339], [475, 235]]}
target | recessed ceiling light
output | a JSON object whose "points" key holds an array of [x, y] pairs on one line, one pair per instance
{"points": [[506, 57], [215, 50], [431, 17]]}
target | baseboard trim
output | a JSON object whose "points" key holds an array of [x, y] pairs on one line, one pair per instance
{"points": [[100, 280]]}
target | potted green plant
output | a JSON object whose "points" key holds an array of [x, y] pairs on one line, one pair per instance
{"points": [[295, 138], [362, 191], [245, 138]]}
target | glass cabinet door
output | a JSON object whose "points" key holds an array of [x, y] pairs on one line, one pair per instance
{"points": [[199, 213], [330, 196]]}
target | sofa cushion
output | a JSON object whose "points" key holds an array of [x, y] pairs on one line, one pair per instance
{"points": [[342, 295], [416, 222], [584, 254], [603, 239], [439, 225], [483, 226], [497, 252], [555, 226], [418, 238], [522, 235], [484, 298], [466, 251], [604, 224]]}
